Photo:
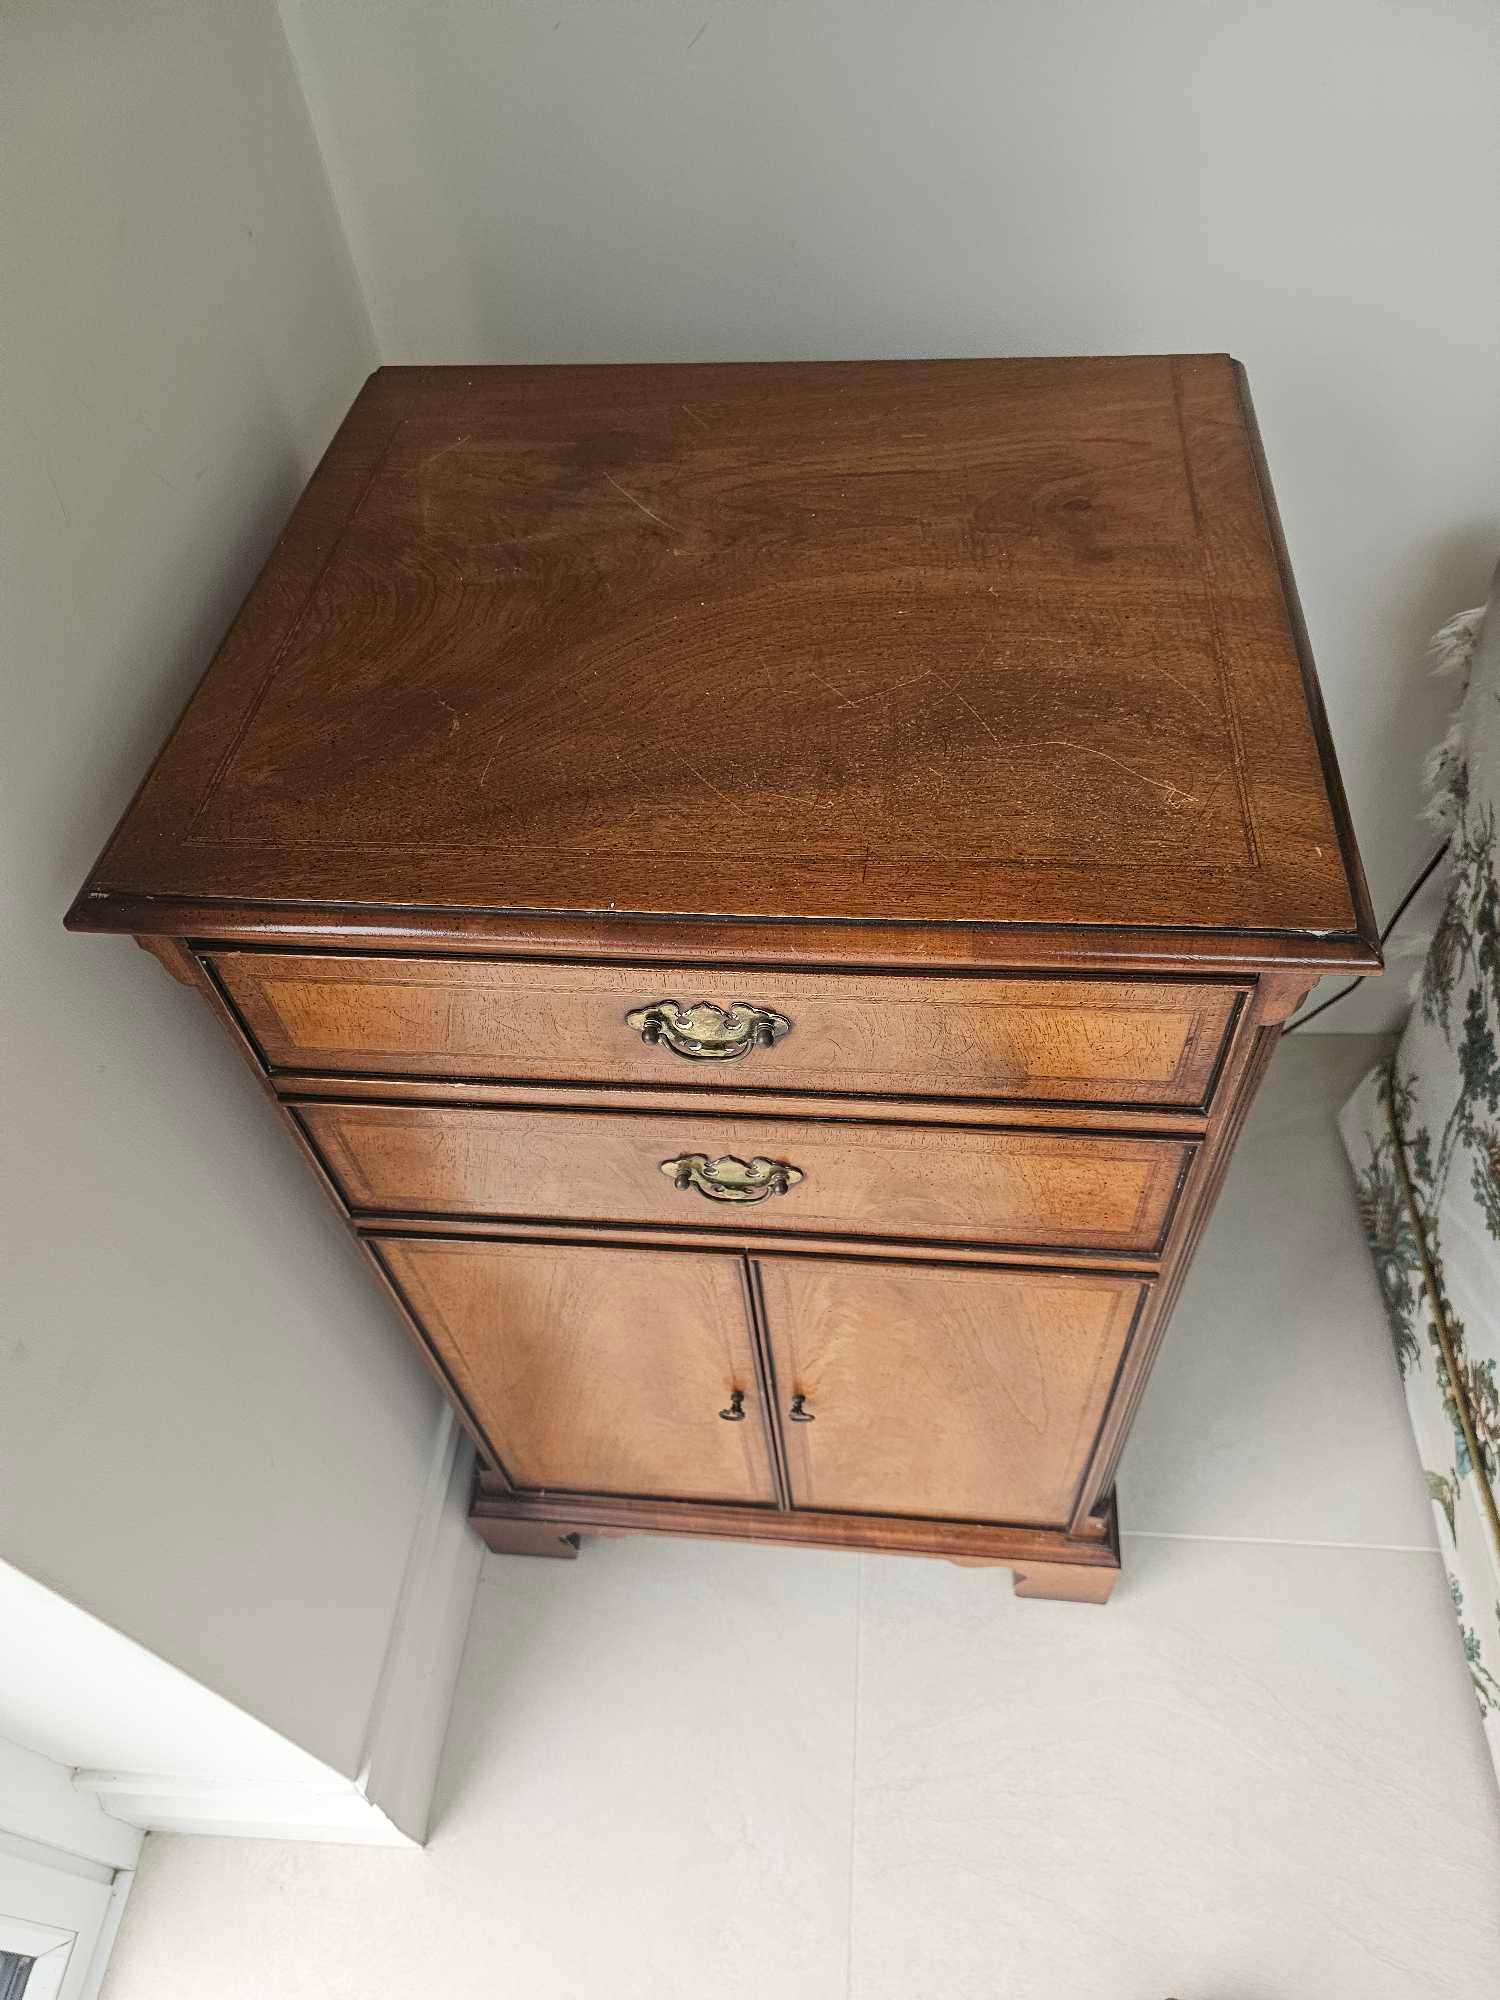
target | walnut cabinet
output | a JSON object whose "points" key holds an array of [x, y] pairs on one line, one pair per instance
{"points": [[763, 894]]}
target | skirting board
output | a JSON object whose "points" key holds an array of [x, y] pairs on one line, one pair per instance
{"points": [[338, 1811], [409, 1717], [387, 1803]]}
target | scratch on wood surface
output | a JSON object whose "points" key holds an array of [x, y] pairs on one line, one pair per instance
{"points": [[896, 686], [640, 504], [457, 723], [694, 417], [709, 783], [965, 702], [844, 701], [442, 452], [1192, 693], [885, 693], [696, 39], [489, 761], [1173, 794]]}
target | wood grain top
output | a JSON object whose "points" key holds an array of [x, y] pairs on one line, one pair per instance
{"points": [[961, 642]]}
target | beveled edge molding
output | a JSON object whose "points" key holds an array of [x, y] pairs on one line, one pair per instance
{"points": [[827, 943]]}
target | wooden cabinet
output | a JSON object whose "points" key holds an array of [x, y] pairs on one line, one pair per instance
{"points": [[764, 894]]}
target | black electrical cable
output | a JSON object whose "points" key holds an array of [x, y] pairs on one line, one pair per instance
{"points": [[1400, 911]]}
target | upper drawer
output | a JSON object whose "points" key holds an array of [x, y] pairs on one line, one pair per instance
{"points": [[914, 1183], [1085, 1041]]}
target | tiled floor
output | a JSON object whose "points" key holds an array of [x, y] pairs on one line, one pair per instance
{"points": [[684, 1772]]}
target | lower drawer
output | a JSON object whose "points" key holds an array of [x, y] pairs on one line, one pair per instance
{"points": [[923, 1184]]}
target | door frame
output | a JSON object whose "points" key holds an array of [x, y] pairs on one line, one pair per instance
{"points": [[63, 1910]]}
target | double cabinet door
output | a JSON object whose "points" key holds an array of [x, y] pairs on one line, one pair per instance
{"points": [[852, 1385]]}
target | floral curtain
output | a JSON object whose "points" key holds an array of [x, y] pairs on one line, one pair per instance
{"points": [[1423, 1136]]}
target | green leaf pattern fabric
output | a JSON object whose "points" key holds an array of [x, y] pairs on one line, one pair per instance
{"points": [[1423, 1137]]}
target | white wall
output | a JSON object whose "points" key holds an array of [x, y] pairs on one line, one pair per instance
{"points": [[1309, 184], [80, 1694], [100, 1739], [212, 1433]]}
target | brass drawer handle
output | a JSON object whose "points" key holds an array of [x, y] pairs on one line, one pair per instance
{"points": [[706, 1033], [735, 1414], [730, 1179], [799, 1412]]}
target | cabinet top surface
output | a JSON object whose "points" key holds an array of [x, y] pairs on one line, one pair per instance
{"points": [[984, 642]]}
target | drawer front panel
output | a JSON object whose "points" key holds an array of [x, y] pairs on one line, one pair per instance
{"points": [[958, 1394], [597, 1370], [913, 1183], [1088, 1041]]}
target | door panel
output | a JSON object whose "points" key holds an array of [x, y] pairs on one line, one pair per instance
{"points": [[597, 1370], [942, 1391]]}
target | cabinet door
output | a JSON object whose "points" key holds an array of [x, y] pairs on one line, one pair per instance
{"points": [[942, 1391], [597, 1370]]}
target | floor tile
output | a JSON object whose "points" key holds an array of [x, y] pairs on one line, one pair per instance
{"points": [[1275, 1410], [668, 1727], [646, 1795], [1256, 1775]]}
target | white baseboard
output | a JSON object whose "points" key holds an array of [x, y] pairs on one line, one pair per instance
{"points": [[414, 1698], [387, 1803], [283, 1809]]}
